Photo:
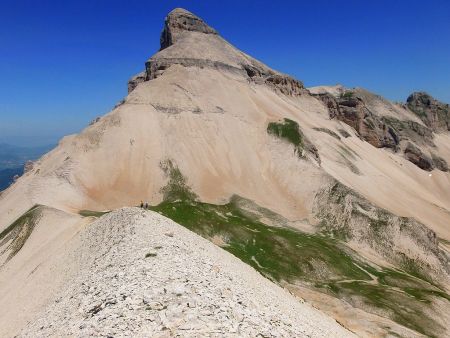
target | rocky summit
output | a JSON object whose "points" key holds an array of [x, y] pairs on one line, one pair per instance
{"points": [[179, 21], [267, 209]]}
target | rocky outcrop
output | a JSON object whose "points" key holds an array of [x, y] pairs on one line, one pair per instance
{"points": [[382, 131], [432, 112], [400, 240], [280, 82], [135, 80], [155, 67], [178, 21], [410, 130], [29, 165], [439, 162], [416, 156], [351, 109]]}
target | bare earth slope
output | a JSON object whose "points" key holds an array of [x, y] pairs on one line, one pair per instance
{"points": [[31, 266]]}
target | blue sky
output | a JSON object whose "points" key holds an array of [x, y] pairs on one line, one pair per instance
{"points": [[62, 63]]}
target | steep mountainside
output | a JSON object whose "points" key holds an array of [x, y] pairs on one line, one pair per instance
{"points": [[337, 194]]}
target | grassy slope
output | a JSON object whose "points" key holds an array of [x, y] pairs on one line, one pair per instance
{"points": [[90, 213], [13, 238], [289, 131], [319, 260]]}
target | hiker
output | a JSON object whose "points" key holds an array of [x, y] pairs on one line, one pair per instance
{"points": [[142, 204], [146, 205]]}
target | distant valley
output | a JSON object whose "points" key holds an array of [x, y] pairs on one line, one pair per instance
{"points": [[7, 176], [13, 158]]}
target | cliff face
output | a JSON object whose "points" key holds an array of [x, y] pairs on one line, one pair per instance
{"points": [[351, 109], [432, 112], [180, 21], [366, 114]]}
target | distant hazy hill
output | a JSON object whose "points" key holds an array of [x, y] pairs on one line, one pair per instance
{"points": [[6, 176], [13, 156]]}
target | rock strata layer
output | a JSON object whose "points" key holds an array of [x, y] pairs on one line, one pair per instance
{"points": [[188, 41]]}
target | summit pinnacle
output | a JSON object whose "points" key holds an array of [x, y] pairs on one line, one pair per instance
{"points": [[178, 21]]}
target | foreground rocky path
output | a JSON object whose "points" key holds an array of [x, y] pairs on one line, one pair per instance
{"points": [[144, 275]]}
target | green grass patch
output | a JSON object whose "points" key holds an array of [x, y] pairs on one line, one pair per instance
{"points": [[442, 240], [289, 131], [13, 238], [176, 188], [91, 213], [346, 95], [405, 306], [278, 253]]}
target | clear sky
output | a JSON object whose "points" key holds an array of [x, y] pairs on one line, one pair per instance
{"points": [[62, 63]]}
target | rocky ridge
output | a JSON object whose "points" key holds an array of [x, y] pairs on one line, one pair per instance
{"points": [[356, 108], [144, 275]]}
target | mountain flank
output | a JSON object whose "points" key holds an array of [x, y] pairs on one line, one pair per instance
{"points": [[333, 193]]}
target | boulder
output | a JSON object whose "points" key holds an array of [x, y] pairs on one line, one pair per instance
{"points": [[135, 80], [28, 166], [416, 156], [439, 162]]}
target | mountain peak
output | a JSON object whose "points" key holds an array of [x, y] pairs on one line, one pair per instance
{"points": [[195, 44], [178, 21]]}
